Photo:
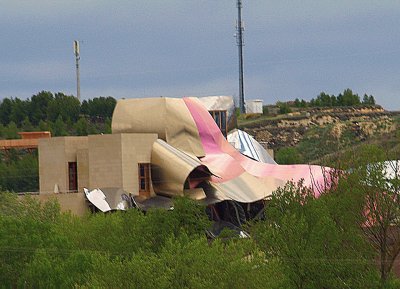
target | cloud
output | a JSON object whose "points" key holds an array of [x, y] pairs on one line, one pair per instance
{"points": [[45, 70]]}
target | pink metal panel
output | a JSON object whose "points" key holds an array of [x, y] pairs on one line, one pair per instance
{"points": [[229, 163]]}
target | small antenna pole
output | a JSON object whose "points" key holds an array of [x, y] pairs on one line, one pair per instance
{"points": [[77, 58]]}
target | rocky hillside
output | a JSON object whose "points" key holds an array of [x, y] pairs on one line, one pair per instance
{"points": [[330, 128]]}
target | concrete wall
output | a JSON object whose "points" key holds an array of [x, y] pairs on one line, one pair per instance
{"points": [[114, 159], [72, 202], [54, 155], [105, 167], [51, 164], [136, 148], [82, 157]]}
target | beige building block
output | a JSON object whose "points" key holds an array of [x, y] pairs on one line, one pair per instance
{"points": [[51, 164], [114, 159], [82, 157], [103, 161], [136, 148], [105, 169], [72, 202], [54, 155]]}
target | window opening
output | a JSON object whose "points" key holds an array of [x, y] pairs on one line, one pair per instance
{"points": [[220, 119], [72, 176], [144, 177]]}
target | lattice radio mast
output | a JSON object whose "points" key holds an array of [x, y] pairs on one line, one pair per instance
{"points": [[240, 44]]}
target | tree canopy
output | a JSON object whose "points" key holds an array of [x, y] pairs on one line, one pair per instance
{"points": [[346, 98], [45, 111]]}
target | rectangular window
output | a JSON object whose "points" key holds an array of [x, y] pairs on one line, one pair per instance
{"points": [[220, 119], [72, 176], [144, 177]]}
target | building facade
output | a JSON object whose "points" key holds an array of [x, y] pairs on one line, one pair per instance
{"points": [[69, 164]]}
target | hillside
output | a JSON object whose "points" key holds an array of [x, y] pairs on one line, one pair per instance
{"points": [[314, 133]]}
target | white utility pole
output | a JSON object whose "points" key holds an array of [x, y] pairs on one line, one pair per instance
{"points": [[77, 58]]}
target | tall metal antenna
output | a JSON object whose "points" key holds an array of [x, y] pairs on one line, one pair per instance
{"points": [[77, 58], [240, 44]]}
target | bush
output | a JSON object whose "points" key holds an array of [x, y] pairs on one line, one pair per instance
{"points": [[288, 155]]}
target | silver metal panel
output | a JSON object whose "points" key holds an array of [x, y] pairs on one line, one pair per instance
{"points": [[249, 147]]}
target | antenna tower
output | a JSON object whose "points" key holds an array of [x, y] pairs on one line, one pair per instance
{"points": [[77, 58], [240, 44]]}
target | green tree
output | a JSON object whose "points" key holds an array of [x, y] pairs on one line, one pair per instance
{"points": [[26, 125], [316, 248], [11, 131], [371, 100], [365, 99], [44, 126], [99, 107], [265, 110], [283, 107], [107, 126], [5, 111], [66, 106], [20, 109], [349, 98], [81, 126], [324, 99], [59, 128], [378, 183], [368, 99], [39, 105], [19, 173]]}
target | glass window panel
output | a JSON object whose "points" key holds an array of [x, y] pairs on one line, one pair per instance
{"points": [[217, 119], [144, 177], [223, 120], [142, 184], [142, 170]]}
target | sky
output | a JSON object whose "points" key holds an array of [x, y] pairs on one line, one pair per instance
{"points": [[147, 48]]}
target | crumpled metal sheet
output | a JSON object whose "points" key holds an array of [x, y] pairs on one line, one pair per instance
{"points": [[171, 169], [168, 117], [228, 163], [156, 202], [109, 199], [248, 146], [197, 194], [244, 188]]}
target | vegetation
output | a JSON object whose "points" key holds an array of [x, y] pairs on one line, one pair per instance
{"points": [[303, 242], [42, 248], [19, 171], [283, 107], [319, 136], [320, 145], [347, 98], [318, 246], [59, 113], [288, 155]]}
